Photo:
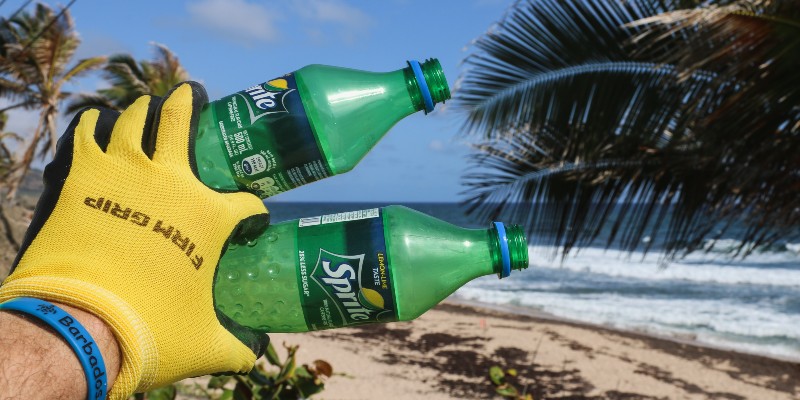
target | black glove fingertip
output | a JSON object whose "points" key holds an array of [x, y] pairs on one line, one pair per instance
{"points": [[255, 341]]}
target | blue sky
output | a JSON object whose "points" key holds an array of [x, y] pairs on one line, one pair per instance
{"points": [[229, 45]]}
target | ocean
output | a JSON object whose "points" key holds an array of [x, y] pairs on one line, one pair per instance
{"points": [[750, 305]]}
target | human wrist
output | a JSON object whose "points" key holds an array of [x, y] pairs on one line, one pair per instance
{"points": [[104, 338], [39, 363]]}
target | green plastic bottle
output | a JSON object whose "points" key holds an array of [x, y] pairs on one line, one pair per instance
{"points": [[377, 265], [313, 123]]}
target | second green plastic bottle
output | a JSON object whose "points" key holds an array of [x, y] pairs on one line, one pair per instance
{"points": [[377, 265], [308, 125]]}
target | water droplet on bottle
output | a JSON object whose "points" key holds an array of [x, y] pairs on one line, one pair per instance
{"points": [[258, 306], [238, 307], [285, 327], [232, 276], [274, 269], [265, 328], [221, 308], [252, 242], [237, 315], [271, 237], [254, 315], [252, 274]]}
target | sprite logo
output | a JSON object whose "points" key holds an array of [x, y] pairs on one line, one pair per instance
{"points": [[266, 99], [340, 277]]}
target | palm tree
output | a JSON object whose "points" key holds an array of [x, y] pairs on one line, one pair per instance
{"points": [[7, 163], [36, 49], [7, 157], [619, 122], [130, 79]]}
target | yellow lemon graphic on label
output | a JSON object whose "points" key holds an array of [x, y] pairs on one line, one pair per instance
{"points": [[372, 297], [279, 84]]}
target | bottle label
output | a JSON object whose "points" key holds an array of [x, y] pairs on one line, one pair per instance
{"points": [[268, 139], [344, 273]]}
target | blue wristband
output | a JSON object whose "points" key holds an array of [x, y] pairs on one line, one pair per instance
{"points": [[76, 336]]}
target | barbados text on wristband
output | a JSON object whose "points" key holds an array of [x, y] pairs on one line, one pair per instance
{"points": [[74, 333]]}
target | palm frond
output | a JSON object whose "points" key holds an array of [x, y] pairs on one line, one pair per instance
{"points": [[757, 45], [130, 80], [525, 102], [625, 120], [36, 50], [166, 71], [538, 38], [83, 66]]}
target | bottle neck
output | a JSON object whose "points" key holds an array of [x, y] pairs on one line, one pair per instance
{"points": [[509, 248], [426, 84]]}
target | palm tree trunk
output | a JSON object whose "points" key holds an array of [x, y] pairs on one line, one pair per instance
{"points": [[22, 167], [50, 124], [9, 232]]}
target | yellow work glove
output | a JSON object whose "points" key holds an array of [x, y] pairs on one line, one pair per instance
{"points": [[134, 237]]}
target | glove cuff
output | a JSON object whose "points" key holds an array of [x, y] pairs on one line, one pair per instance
{"points": [[138, 348]]}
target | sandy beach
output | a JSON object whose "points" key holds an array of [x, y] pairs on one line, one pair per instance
{"points": [[447, 353]]}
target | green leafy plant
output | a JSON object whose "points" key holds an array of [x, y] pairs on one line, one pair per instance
{"points": [[498, 376], [289, 382], [164, 393]]}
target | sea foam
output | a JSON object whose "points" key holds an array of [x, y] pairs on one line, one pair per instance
{"points": [[778, 268], [750, 305]]}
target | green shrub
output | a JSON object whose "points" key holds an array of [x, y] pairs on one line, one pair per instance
{"points": [[498, 376], [289, 382]]}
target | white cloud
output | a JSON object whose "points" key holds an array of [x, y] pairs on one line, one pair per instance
{"points": [[332, 11], [250, 22], [235, 19], [349, 22], [436, 145]]}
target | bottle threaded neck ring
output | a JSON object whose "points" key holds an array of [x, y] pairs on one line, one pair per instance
{"points": [[517, 247], [510, 248], [437, 84], [427, 84]]}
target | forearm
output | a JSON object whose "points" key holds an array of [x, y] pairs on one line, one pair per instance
{"points": [[35, 362]]}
